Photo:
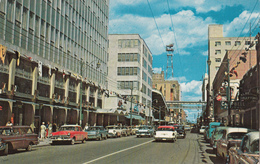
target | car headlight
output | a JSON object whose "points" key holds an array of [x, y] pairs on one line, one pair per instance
{"points": [[68, 134]]}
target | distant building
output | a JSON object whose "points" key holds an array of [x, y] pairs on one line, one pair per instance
{"points": [[170, 90], [130, 71]]}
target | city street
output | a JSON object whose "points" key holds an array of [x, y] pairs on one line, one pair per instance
{"points": [[131, 149]]}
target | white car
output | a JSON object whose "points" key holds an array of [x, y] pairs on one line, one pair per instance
{"points": [[114, 131], [165, 133], [202, 129]]}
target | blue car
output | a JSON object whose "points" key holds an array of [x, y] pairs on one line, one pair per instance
{"points": [[212, 126]]}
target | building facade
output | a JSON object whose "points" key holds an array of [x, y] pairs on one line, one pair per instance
{"points": [[217, 47], [171, 91], [130, 71], [50, 48]]}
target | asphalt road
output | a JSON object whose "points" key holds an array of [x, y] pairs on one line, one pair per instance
{"points": [[123, 150]]}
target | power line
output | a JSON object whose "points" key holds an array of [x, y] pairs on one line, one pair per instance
{"points": [[155, 22]]}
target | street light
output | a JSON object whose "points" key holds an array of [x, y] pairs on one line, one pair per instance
{"points": [[80, 93]]}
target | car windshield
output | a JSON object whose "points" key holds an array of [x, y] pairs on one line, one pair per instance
{"points": [[67, 128], [235, 136], [145, 127], [165, 129], [110, 127], [179, 127], [92, 129], [5, 131], [255, 147]]}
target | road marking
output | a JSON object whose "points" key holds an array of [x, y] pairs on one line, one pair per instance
{"points": [[117, 152]]}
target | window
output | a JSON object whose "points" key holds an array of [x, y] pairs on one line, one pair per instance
{"points": [[2, 6], [217, 52], [237, 43], [25, 17], [247, 42], [217, 59], [218, 43], [18, 12], [228, 43], [10, 10]]}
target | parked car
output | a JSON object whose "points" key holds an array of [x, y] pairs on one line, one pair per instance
{"points": [[187, 127], [180, 131], [97, 132], [231, 137], [212, 126], [205, 133], [126, 131], [146, 131], [202, 129], [69, 133], [165, 133], [215, 137], [134, 129], [114, 131], [17, 137], [247, 152]]}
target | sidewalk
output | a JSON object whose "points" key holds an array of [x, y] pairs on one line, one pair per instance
{"points": [[45, 142]]}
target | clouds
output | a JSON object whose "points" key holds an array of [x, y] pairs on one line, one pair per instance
{"points": [[193, 86]]}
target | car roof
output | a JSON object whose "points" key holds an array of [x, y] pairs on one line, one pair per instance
{"points": [[253, 136], [69, 125], [233, 129], [170, 127]]}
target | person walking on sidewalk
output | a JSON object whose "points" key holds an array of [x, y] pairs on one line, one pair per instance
{"points": [[43, 128], [49, 129]]}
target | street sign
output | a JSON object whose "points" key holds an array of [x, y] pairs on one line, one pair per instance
{"points": [[219, 97], [238, 105], [224, 105]]}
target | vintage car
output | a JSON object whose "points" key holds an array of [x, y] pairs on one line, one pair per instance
{"points": [[97, 133], [180, 131], [114, 131], [231, 137], [69, 133], [145, 131], [212, 126], [202, 129], [187, 128], [216, 135], [165, 133], [17, 137], [134, 129], [247, 152], [126, 131]]}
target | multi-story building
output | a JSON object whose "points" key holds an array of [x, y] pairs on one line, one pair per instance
{"points": [[130, 70], [49, 49], [170, 89], [217, 47]]}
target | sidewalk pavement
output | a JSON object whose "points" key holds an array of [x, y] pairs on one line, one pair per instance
{"points": [[45, 142]]}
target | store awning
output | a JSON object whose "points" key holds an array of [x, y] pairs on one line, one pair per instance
{"points": [[136, 117]]}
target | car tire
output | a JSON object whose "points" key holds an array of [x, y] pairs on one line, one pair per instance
{"points": [[105, 138], [84, 140], [6, 150], [29, 148], [72, 142]]}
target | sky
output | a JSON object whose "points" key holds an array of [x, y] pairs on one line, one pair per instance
{"points": [[185, 24]]}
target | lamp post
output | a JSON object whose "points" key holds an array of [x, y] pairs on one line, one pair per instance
{"points": [[131, 107]]}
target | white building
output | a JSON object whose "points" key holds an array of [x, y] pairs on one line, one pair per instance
{"points": [[130, 67]]}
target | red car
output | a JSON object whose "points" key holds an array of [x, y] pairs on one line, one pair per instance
{"points": [[69, 133]]}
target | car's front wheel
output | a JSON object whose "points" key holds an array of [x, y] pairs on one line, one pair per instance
{"points": [[72, 141], [6, 149], [29, 148]]}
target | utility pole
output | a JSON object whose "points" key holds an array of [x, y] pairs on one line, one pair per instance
{"points": [[80, 96], [159, 115], [131, 107], [228, 95]]}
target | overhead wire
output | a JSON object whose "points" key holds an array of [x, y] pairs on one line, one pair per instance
{"points": [[155, 22]]}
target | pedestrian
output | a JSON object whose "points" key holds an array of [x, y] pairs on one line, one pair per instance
{"points": [[32, 127], [86, 126], [54, 127], [43, 128], [49, 129]]}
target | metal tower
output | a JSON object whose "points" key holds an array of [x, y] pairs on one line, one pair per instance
{"points": [[169, 68]]}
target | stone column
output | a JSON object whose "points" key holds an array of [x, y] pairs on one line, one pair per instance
{"points": [[52, 84], [34, 80], [12, 68], [95, 97]]}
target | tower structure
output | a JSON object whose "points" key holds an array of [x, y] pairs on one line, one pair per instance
{"points": [[169, 68]]}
